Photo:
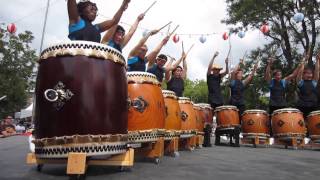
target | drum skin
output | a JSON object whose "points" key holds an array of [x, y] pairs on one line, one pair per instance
{"points": [[227, 116], [188, 123], [173, 113], [153, 116], [99, 103], [200, 117], [255, 122], [287, 122], [314, 124]]}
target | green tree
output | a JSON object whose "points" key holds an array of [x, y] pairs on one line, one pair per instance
{"points": [[196, 90], [17, 63]]}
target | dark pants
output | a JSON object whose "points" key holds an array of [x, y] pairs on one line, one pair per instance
{"points": [[214, 105], [307, 110], [207, 136], [241, 108]]}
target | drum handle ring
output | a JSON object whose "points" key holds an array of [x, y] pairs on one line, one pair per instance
{"points": [[139, 104], [58, 95]]}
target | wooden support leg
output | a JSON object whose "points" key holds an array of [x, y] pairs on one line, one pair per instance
{"points": [[76, 163]]}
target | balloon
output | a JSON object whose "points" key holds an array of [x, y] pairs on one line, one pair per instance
{"points": [[202, 39], [11, 28], [298, 17], [265, 29], [175, 38], [225, 36], [241, 34], [145, 33]]}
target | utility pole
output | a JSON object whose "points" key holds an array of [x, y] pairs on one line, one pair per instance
{"points": [[44, 25]]}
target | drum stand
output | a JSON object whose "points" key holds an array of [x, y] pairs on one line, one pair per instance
{"points": [[77, 163], [153, 150], [232, 132], [295, 142], [187, 143], [171, 147], [256, 140]]}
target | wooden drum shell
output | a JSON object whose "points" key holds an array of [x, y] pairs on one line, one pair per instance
{"points": [[255, 122], [173, 113], [153, 116], [288, 122], [314, 125], [188, 123], [227, 116]]}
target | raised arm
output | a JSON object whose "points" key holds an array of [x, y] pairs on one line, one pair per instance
{"points": [[185, 68], [108, 36], [176, 64], [301, 69], [267, 74], [132, 30], [211, 62], [151, 57], [250, 77], [105, 25], [135, 50], [73, 12], [293, 74], [227, 68], [168, 69]]}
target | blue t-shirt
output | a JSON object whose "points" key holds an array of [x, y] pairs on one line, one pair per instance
{"points": [[84, 30]]}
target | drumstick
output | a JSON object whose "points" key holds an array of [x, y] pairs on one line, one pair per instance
{"points": [[182, 46], [165, 26], [189, 49], [168, 29], [149, 7], [174, 30]]}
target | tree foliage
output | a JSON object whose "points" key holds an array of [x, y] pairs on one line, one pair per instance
{"points": [[196, 90], [17, 63]]}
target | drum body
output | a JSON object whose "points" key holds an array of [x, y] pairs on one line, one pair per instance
{"points": [[288, 122], [173, 112], [207, 114], [147, 110], [255, 122], [188, 115], [227, 117], [200, 117], [314, 125], [81, 89]]}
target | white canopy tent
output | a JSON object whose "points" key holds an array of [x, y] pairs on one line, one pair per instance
{"points": [[26, 112]]}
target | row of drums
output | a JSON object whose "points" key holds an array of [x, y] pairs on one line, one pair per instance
{"points": [[87, 102], [284, 123]]}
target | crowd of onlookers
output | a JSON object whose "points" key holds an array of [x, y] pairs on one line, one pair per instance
{"points": [[8, 127]]}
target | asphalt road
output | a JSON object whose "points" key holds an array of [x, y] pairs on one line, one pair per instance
{"points": [[208, 163]]}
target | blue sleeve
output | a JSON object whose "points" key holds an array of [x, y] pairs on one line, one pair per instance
{"points": [[284, 83], [300, 83], [132, 60], [77, 26], [232, 83], [271, 83], [314, 83]]}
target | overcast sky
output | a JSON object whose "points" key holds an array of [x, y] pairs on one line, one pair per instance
{"points": [[193, 16]]}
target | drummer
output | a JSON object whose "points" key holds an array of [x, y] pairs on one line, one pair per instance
{"points": [[82, 15], [176, 76], [214, 80], [137, 58], [159, 68], [237, 86], [307, 80], [278, 86], [116, 37]]}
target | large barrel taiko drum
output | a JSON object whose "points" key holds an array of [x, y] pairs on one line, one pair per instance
{"points": [[207, 114], [227, 117], [188, 115], [81, 100], [173, 112], [255, 123], [314, 125], [288, 123], [200, 116], [146, 116]]}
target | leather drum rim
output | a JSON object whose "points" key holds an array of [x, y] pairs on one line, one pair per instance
{"points": [[142, 78], [220, 108], [83, 48], [286, 110]]}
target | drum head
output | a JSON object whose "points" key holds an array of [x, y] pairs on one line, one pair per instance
{"points": [[255, 111], [220, 108], [83, 48], [286, 110], [170, 94], [204, 105], [141, 78], [314, 113], [184, 100]]}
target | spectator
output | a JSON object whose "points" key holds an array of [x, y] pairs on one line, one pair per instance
{"points": [[7, 127]]}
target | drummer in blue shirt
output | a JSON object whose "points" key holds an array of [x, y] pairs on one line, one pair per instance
{"points": [[82, 15]]}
